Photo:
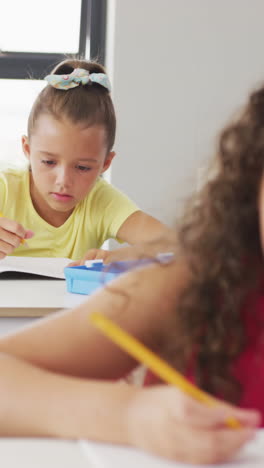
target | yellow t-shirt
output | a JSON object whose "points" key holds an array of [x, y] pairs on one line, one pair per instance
{"points": [[95, 219]]}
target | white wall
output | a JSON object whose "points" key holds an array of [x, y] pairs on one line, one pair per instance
{"points": [[180, 69]]}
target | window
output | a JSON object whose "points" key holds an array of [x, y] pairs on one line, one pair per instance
{"points": [[34, 36], [42, 30]]}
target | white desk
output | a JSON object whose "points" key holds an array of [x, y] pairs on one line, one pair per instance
{"points": [[33, 297], [22, 300]]}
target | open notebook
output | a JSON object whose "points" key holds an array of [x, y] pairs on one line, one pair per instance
{"points": [[115, 456], [44, 266]]}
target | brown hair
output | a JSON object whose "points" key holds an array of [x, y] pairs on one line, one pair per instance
{"points": [[90, 104], [219, 236]]}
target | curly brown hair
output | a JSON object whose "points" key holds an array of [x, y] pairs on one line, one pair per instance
{"points": [[219, 236]]}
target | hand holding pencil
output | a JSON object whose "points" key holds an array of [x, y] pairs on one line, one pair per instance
{"points": [[12, 234], [185, 423], [157, 365]]}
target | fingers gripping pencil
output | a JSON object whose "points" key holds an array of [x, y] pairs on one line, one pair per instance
{"points": [[22, 241], [157, 365]]}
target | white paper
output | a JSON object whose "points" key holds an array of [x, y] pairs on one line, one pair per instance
{"points": [[116, 456], [41, 453], [47, 266]]}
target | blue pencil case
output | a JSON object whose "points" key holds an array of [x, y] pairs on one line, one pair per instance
{"points": [[86, 279]]}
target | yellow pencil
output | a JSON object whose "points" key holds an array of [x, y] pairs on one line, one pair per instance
{"points": [[23, 241], [150, 359]]}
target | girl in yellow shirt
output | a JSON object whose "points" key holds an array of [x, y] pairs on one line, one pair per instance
{"points": [[62, 204]]}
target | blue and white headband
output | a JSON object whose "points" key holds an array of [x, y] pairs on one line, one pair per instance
{"points": [[77, 77]]}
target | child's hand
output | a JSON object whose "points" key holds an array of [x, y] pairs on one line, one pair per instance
{"points": [[171, 424], [11, 235], [108, 256], [93, 254]]}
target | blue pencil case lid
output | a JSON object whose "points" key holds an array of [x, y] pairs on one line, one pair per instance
{"points": [[86, 279]]}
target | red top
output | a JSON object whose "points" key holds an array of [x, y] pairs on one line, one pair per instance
{"points": [[249, 367]]}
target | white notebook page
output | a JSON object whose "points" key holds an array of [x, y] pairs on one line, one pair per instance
{"points": [[115, 456], [47, 266]]}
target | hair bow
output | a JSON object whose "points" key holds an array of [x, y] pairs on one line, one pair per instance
{"points": [[77, 77]]}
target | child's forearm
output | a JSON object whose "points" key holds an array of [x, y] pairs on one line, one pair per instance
{"points": [[122, 254], [35, 402]]}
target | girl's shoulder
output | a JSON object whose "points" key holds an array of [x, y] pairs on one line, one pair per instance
{"points": [[100, 185], [101, 191], [14, 175], [13, 180], [104, 190]]}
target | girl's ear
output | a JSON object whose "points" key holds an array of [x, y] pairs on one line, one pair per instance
{"points": [[25, 146], [108, 161]]}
